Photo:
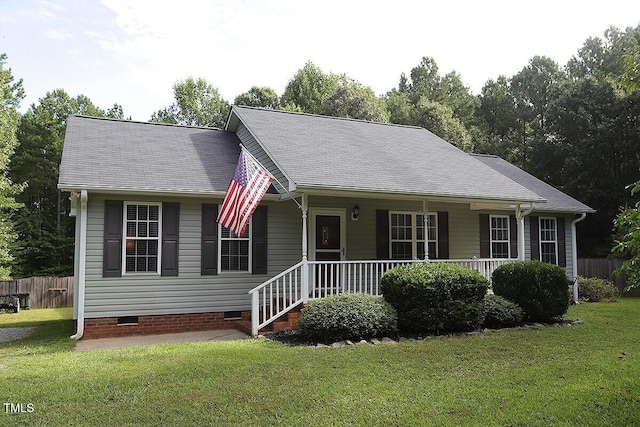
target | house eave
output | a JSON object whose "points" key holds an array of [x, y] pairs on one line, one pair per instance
{"points": [[152, 191], [404, 195]]}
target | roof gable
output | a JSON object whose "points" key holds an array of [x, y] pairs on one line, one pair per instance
{"points": [[344, 154]]}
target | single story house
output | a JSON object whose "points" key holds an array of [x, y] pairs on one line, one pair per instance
{"points": [[351, 199]]}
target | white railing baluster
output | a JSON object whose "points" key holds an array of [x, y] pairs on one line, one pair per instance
{"points": [[331, 278]]}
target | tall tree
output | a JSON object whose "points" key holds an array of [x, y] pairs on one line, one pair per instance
{"points": [[497, 121], [441, 104], [313, 91], [264, 97], [308, 90], [45, 230], [11, 93], [353, 100], [197, 103]]}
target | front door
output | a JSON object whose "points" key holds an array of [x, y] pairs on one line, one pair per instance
{"points": [[328, 245]]}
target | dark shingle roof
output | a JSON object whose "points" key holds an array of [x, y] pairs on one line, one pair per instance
{"points": [[124, 155], [557, 201], [334, 153]]}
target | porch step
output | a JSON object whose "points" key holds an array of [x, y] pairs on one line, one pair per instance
{"points": [[286, 322]]}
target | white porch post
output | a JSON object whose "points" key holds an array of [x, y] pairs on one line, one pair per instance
{"points": [[305, 250], [520, 224], [425, 219]]}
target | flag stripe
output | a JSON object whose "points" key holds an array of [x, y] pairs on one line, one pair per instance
{"points": [[247, 187]]}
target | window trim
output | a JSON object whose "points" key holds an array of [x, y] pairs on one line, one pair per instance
{"points": [[491, 239], [414, 233], [248, 238], [158, 271], [541, 241]]}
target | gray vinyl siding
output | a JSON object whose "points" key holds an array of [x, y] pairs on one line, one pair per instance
{"points": [[189, 292], [567, 233], [254, 148], [464, 230]]}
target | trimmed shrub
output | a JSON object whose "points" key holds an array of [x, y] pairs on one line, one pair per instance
{"points": [[435, 297], [593, 289], [347, 317], [539, 288], [500, 312]]}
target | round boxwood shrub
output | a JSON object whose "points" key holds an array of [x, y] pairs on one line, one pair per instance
{"points": [[597, 290], [540, 289], [435, 297], [347, 317], [500, 312]]}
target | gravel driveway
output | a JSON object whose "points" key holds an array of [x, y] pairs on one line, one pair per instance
{"points": [[12, 334]]}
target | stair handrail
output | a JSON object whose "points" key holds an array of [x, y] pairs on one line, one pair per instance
{"points": [[287, 305]]}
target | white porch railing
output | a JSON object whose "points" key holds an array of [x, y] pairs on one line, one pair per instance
{"points": [[319, 279]]}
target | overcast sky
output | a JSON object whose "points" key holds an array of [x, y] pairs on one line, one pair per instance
{"points": [[132, 52]]}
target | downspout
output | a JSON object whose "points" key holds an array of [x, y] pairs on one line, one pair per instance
{"points": [[81, 265], [574, 250], [520, 217]]}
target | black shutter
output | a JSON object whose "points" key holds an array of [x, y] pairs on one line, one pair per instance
{"points": [[513, 236], [382, 234], [209, 244], [443, 235], [535, 238], [485, 236], [112, 255], [170, 231], [562, 245], [259, 240]]}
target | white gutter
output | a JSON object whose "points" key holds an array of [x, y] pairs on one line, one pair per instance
{"points": [[574, 250], [81, 265], [520, 218]]}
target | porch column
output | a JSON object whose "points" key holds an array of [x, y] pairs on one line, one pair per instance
{"points": [[520, 223], [425, 219], [305, 266]]}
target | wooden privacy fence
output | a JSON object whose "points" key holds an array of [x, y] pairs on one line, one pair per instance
{"points": [[603, 268], [44, 292]]}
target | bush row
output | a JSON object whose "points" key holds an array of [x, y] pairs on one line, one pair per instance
{"points": [[441, 297]]}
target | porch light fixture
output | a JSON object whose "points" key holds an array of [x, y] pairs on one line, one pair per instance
{"points": [[355, 212]]}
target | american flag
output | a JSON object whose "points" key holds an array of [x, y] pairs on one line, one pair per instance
{"points": [[246, 189]]}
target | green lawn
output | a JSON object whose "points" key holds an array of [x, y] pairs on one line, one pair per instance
{"points": [[585, 375]]}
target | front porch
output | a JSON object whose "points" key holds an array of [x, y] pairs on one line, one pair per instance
{"points": [[309, 280]]}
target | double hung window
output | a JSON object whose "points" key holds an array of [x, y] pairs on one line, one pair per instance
{"points": [[235, 252], [407, 232], [142, 237], [548, 240], [500, 237]]}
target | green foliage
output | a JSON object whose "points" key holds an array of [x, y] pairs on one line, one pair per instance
{"points": [[264, 97], [500, 312], [439, 119], [313, 91], [352, 100], [347, 316], [309, 88], [197, 103], [10, 95], [627, 225], [45, 230], [593, 289], [442, 105], [540, 289], [435, 297], [630, 79]]}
